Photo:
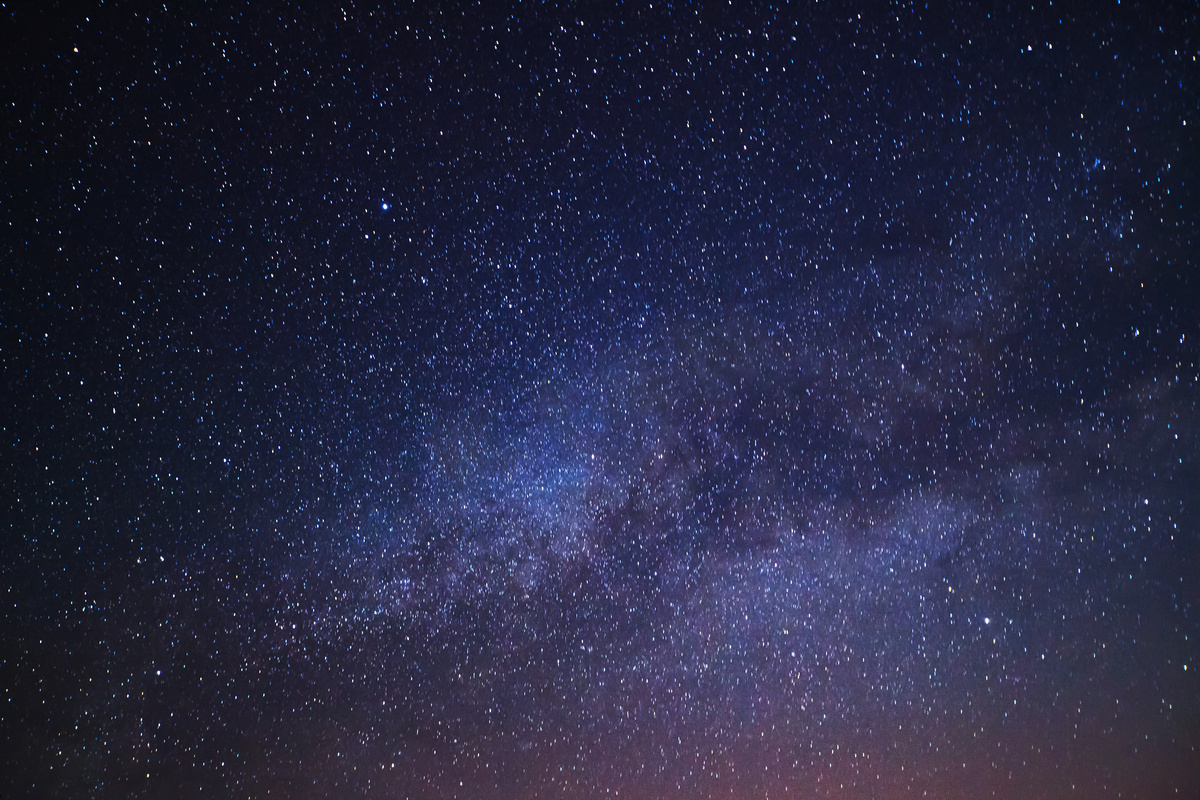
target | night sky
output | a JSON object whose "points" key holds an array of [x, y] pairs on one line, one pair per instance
{"points": [[565, 401]]}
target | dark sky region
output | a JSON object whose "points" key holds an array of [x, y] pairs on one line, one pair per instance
{"points": [[544, 401]]}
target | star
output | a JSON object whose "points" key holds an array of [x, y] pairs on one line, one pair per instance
{"points": [[720, 366]]}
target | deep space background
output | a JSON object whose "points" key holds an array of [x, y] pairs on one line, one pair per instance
{"points": [[566, 401]]}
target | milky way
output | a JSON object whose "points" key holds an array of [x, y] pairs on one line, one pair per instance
{"points": [[555, 402]]}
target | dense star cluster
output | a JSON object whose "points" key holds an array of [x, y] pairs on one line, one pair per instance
{"points": [[550, 401]]}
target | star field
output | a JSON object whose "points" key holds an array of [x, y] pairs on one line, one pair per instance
{"points": [[551, 401]]}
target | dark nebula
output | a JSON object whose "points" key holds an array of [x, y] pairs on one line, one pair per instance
{"points": [[556, 401]]}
